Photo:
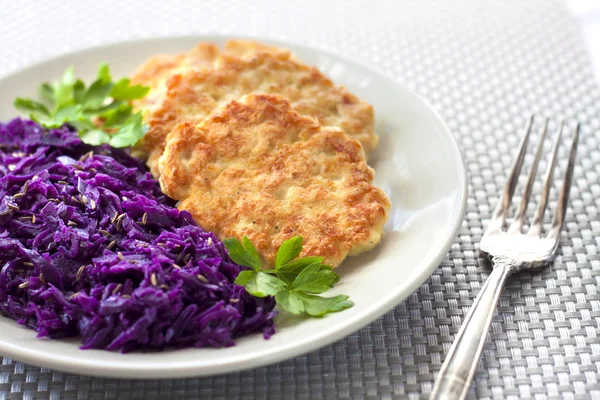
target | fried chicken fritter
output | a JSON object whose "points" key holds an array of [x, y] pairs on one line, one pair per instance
{"points": [[193, 95], [158, 69], [258, 168], [248, 48], [155, 72]]}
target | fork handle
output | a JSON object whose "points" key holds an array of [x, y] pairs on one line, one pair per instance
{"points": [[458, 369]]}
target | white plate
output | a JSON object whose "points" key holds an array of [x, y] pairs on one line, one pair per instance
{"points": [[418, 164]]}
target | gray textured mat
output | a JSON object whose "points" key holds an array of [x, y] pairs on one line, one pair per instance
{"points": [[484, 65]]}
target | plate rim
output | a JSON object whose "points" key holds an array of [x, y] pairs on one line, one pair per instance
{"points": [[86, 366]]}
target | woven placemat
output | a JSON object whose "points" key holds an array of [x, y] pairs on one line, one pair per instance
{"points": [[484, 65]]}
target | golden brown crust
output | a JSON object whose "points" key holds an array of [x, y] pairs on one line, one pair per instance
{"points": [[248, 48], [257, 168], [191, 96], [158, 69], [155, 72]]}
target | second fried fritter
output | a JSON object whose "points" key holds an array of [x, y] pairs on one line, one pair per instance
{"points": [[257, 168], [249, 48], [158, 69], [155, 72]]}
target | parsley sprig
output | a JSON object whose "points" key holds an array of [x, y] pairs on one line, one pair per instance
{"points": [[295, 282], [101, 113]]}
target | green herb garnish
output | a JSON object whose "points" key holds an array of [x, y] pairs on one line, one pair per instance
{"points": [[101, 113], [295, 282]]}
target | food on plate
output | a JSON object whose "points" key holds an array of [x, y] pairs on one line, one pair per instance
{"points": [[193, 95], [89, 246], [249, 48], [155, 72], [254, 147], [158, 69], [100, 113], [258, 168], [294, 282]]}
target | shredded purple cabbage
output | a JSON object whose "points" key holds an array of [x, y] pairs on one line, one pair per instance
{"points": [[90, 246]]}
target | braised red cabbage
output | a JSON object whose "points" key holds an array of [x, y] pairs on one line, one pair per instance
{"points": [[89, 246]]}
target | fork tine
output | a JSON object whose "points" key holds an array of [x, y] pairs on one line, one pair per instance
{"points": [[536, 225], [563, 197], [499, 217], [517, 224]]}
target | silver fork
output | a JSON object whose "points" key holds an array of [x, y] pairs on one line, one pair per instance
{"points": [[510, 251]]}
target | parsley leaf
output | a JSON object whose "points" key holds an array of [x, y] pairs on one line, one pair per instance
{"points": [[104, 73], [78, 91], [288, 272], [48, 93], [63, 90], [295, 283], [288, 250], [260, 284], [129, 133], [245, 255], [28, 105], [251, 251], [313, 279], [289, 301], [317, 306], [101, 113], [95, 137], [96, 94], [313, 305], [114, 114], [122, 90]]}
